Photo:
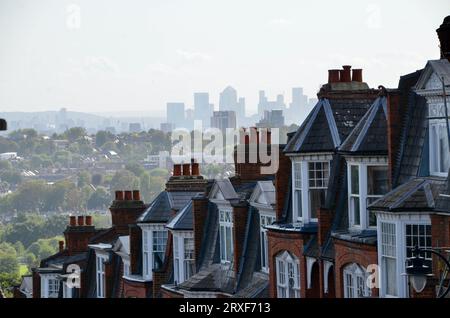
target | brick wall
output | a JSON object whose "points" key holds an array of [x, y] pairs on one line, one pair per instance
{"points": [[284, 241], [240, 217], [36, 284], [282, 183], [165, 293], [347, 253], [325, 220], [132, 289], [200, 210], [135, 248]]}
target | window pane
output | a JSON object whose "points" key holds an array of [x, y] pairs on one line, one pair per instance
{"points": [[317, 199], [354, 201], [444, 158], [390, 276], [354, 172], [298, 203], [377, 180], [297, 175]]}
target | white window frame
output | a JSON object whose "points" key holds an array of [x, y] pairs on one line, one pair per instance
{"points": [[126, 267], [400, 221], [302, 212], [181, 262], [67, 291], [148, 247], [264, 220], [355, 281], [46, 280], [363, 195], [283, 261], [226, 227], [100, 277], [435, 150]]}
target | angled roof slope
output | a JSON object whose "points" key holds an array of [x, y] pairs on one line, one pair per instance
{"points": [[370, 134], [184, 220]]}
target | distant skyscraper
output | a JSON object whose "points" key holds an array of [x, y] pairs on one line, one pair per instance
{"points": [[266, 105], [272, 119], [175, 114], [298, 108], [166, 127], [223, 120], [202, 108], [229, 101], [135, 127]]}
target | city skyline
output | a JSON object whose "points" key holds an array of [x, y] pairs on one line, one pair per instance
{"points": [[63, 56]]}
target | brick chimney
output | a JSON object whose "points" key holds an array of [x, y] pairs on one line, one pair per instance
{"points": [[61, 246], [135, 248], [357, 75], [176, 170], [333, 76], [125, 212], [186, 169], [195, 168], [444, 38], [345, 74], [77, 235]]}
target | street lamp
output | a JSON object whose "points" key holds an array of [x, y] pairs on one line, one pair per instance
{"points": [[418, 272]]}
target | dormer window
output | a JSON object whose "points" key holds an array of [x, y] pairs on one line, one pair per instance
{"points": [[439, 149], [366, 183], [226, 236], [100, 275], [154, 239], [310, 182], [183, 256], [49, 286]]}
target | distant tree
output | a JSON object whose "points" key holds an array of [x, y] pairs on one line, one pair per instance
{"points": [[103, 137], [97, 179], [109, 146], [84, 178], [136, 168], [75, 133], [145, 186], [7, 145], [99, 199], [124, 179], [5, 165]]}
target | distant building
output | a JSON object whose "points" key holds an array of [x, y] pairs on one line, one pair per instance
{"points": [[272, 119], [167, 127], [175, 114], [223, 120], [134, 127], [229, 101], [298, 108], [111, 129], [264, 104], [202, 108]]}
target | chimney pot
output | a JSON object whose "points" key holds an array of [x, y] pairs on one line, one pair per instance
{"points": [[119, 195], [73, 221], [61, 246], [357, 75], [177, 170], [186, 169], [136, 195], [333, 76], [195, 169], [88, 220], [128, 195], [80, 220], [345, 74]]}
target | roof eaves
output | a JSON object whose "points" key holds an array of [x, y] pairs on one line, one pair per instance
{"points": [[331, 123]]}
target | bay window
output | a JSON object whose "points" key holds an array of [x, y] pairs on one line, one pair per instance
{"points": [[418, 235], [183, 254], [439, 147], [49, 286], [310, 182], [154, 239], [226, 236], [389, 259], [366, 183], [126, 268], [355, 282], [288, 276], [265, 220]]}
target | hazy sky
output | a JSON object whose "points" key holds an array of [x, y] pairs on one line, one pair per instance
{"points": [[136, 55]]}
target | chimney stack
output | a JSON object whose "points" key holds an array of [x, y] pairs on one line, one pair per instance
{"points": [[73, 221], [333, 76], [81, 220], [357, 75], [176, 170], [119, 195], [444, 37], [186, 169], [128, 195], [61, 246], [345, 74], [136, 195], [88, 220]]}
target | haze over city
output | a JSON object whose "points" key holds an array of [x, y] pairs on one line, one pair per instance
{"points": [[102, 56]]}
